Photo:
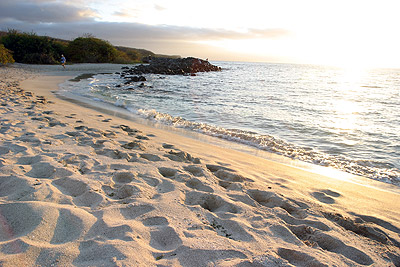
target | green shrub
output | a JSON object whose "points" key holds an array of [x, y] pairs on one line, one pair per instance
{"points": [[32, 49], [5, 55], [130, 55], [91, 50]]}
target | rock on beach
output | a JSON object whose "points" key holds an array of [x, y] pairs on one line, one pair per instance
{"points": [[172, 66]]}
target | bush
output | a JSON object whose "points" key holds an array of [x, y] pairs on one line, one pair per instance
{"points": [[91, 50], [5, 55], [130, 55], [32, 49]]}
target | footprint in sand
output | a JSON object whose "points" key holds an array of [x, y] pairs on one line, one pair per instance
{"points": [[80, 191], [197, 184], [211, 202], [71, 225], [4, 150], [97, 253], [326, 196], [214, 168], [151, 181], [298, 258], [132, 211], [333, 244], [360, 227], [128, 191], [14, 220], [150, 157], [123, 177], [167, 146], [29, 160], [165, 187], [47, 170], [162, 236], [180, 156], [272, 200], [98, 143], [16, 148], [113, 153], [118, 166], [292, 221], [137, 145], [111, 231], [165, 239], [129, 130], [167, 172], [123, 188], [312, 237], [228, 179], [42, 170], [30, 138], [142, 137], [377, 221], [14, 187], [195, 170], [89, 199], [71, 187], [155, 221], [121, 192], [189, 256]]}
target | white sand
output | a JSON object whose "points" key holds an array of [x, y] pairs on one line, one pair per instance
{"points": [[82, 188]]}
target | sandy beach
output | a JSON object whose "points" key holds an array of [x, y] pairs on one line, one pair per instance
{"points": [[82, 187]]}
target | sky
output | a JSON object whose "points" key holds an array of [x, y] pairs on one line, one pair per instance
{"points": [[348, 33]]}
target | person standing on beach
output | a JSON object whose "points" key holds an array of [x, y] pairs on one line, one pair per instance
{"points": [[63, 61]]}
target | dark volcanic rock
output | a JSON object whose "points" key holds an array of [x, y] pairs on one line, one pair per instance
{"points": [[172, 66], [135, 79]]}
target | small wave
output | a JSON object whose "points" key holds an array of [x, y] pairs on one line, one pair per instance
{"points": [[370, 169]]}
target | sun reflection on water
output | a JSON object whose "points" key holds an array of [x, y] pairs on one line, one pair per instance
{"points": [[345, 107], [346, 116]]}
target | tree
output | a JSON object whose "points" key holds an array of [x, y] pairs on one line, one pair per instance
{"points": [[91, 50], [5, 55]]}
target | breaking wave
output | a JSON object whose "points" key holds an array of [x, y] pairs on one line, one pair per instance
{"points": [[372, 169]]}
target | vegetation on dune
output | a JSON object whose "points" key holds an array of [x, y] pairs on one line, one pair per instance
{"points": [[33, 49], [133, 54], [5, 55], [91, 50]]}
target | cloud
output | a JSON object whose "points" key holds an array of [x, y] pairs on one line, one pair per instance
{"points": [[138, 31], [126, 30], [124, 14], [42, 11], [69, 19], [163, 39], [159, 8]]}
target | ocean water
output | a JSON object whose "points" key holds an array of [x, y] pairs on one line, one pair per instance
{"points": [[347, 119]]}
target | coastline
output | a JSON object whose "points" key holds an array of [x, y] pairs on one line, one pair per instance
{"points": [[135, 188]]}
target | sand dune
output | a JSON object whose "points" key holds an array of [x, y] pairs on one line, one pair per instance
{"points": [[84, 188]]}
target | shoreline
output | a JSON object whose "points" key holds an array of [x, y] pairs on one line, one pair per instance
{"points": [[181, 196], [348, 155], [113, 110]]}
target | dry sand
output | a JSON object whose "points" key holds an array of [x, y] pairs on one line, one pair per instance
{"points": [[84, 188]]}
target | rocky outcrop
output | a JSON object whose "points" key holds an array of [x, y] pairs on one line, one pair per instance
{"points": [[172, 66]]}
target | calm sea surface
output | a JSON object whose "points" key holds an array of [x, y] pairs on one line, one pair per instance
{"points": [[346, 119]]}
